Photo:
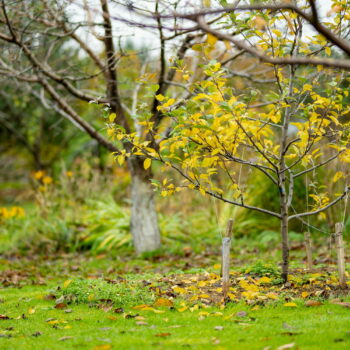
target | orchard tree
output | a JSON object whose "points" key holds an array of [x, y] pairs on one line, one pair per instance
{"points": [[300, 127]]}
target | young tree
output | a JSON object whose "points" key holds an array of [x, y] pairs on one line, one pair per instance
{"points": [[300, 127]]}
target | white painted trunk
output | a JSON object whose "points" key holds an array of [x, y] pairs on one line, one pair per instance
{"points": [[144, 222]]}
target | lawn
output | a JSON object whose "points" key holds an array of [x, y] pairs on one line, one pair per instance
{"points": [[88, 303]]}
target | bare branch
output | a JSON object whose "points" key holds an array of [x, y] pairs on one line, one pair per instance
{"points": [[335, 201], [327, 62], [318, 165]]}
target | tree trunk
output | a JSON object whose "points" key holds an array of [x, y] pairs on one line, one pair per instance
{"points": [[285, 243], [144, 222]]}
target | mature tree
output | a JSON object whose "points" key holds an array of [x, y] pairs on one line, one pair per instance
{"points": [[301, 126], [32, 32]]}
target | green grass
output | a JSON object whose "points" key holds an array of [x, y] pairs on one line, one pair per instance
{"points": [[322, 327]]}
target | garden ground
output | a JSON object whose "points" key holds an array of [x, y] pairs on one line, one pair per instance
{"points": [[98, 302]]}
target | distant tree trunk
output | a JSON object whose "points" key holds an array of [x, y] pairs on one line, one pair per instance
{"points": [[144, 223]]}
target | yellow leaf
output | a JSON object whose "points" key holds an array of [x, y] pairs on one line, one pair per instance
{"points": [[147, 163], [290, 305], [163, 302], [194, 308], [67, 283], [211, 39], [277, 32], [204, 296], [112, 117], [179, 290], [53, 322], [273, 296], [328, 51], [264, 280], [160, 97], [47, 180], [206, 3], [31, 311], [182, 309], [158, 311], [307, 87], [203, 313], [141, 307], [103, 347], [338, 175], [197, 47], [121, 159], [231, 296]]}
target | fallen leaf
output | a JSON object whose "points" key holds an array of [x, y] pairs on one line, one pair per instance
{"points": [[113, 318], [141, 323], [273, 296], [67, 283], [290, 333], [241, 314], [341, 303], [60, 300], [218, 328], [65, 338], [118, 310], [131, 316], [182, 309], [31, 311], [103, 347], [141, 307], [140, 318], [60, 306], [310, 303], [290, 305], [163, 302], [36, 334], [158, 311], [4, 317], [162, 335], [53, 322]]}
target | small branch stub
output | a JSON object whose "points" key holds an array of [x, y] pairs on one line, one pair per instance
{"points": [[226, 246], [339, 245], [308, 248]]}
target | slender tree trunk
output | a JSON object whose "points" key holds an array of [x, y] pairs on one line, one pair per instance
{"points": [[285, 241], [144, 223]]}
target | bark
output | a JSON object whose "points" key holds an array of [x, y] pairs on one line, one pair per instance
{"points": [[144, 223], [285, 245]]}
